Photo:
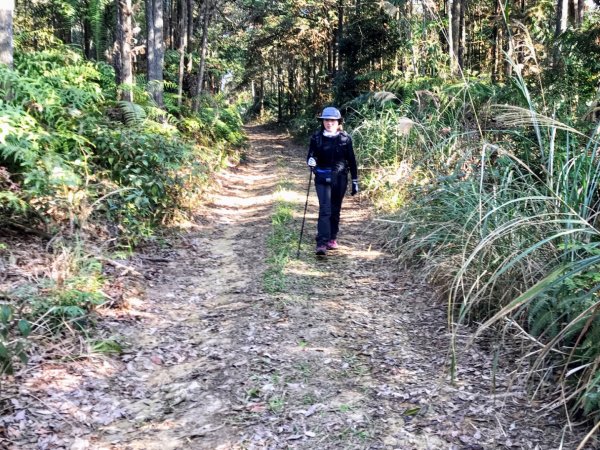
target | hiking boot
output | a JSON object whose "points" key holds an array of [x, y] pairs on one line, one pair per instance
{"points": [[321, 250], [332, 245]]}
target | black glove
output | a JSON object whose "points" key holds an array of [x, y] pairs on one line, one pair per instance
{"points": [[354, 187]]}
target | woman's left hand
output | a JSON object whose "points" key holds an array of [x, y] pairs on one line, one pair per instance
{"points": [[354, 187]]}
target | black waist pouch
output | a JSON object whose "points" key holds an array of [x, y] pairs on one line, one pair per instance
{"points": [[324, 176]]}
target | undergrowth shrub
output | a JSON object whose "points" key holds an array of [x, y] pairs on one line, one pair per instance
{"points": [[13, 334], [63, 155], [58, 301], [41, 145], [218, 121], [149, 170], [71, 290]]}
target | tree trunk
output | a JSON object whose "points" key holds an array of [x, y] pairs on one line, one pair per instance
{"points": [[495, 42], [508, 48], [261, 97], [580, 11], [183, 20], [155, 50], [308, 82], [562, 16], [291, 89], [203, 47], [149, 36], [171, 24], [279, 95], [190, 31], [167, 17], [123, 65], [87, 38], [7, 8], [340, 34], [454, 35], [415, 48], [462, 33], [330, 56]]}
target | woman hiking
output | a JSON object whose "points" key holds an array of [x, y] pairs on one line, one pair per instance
{"points": [[331, 157]]}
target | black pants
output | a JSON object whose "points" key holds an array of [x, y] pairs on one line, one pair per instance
{"points": [[330, 197]]}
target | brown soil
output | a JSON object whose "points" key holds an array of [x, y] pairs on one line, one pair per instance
{"points": [[351, 355]]}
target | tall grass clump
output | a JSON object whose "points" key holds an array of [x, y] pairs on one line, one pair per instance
{"points": [[547, 270], [498, 205], [411, 134]]}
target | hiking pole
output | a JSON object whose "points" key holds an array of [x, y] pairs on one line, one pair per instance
{"points": [[304, 217]]}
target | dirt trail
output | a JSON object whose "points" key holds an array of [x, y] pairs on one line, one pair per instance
{"points": [[352, 355]]}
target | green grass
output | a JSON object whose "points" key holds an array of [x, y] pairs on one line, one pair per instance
{"points": [[106, 347], [345, 408], [305, 370], [310, 399], [280, 244], [276, 404], [60, 301]]}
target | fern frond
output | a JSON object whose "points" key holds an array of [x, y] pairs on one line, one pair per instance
{"points": [[10, 200], [159, 114], [95, 14], [591, 343], [542, 317], [134, 114], [141, 80]]}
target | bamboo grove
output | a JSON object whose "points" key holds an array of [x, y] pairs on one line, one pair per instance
{"points": [[475, 122]]}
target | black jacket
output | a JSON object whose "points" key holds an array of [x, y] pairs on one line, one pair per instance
{"points": [[336, 153]]}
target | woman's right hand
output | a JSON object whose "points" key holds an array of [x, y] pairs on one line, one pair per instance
{"points": [[312, 162]]}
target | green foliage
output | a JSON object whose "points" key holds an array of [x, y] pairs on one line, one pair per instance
{"points": [[370, 36], [41, 144], [217, 121], [590, 398], [571, 85], [13, 334], [133, 113], [491, 202], [378, 140], [62, 307], [280, 243], [150, 167], [9, 196], [107, 346], [94, 13], [62, 154], [64, 298], [543, 316], [62, 301]]}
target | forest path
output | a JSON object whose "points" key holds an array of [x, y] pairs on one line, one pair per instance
{"points": [[350, 354]]}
